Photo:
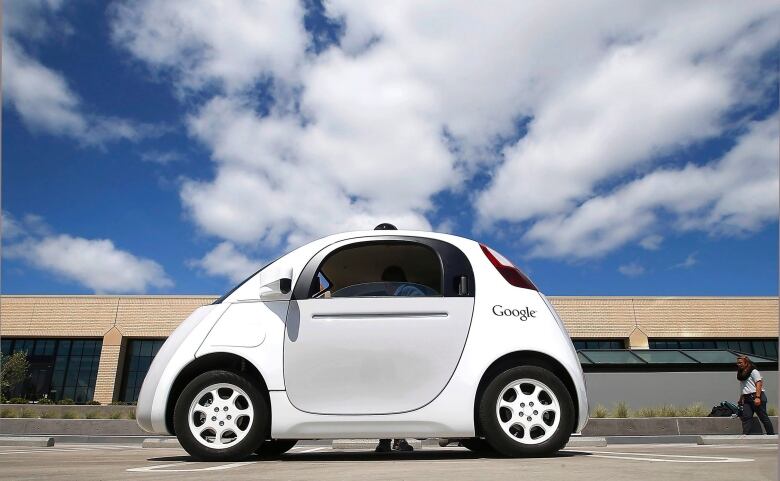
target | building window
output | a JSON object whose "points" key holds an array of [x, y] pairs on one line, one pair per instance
{"points": [[758, 347], [140, 353], [599, 344], [59, 368]]}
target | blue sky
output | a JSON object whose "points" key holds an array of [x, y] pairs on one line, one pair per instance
{"points": [[173, 147]]}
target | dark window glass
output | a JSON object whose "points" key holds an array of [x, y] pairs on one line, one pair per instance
{"points": [[756, 347], [598, 344], [56, 370], [379, 269], [140, 353]]}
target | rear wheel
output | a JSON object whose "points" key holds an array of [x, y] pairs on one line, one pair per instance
{"points": [[526, 411], [220, 416], [273, 448]]}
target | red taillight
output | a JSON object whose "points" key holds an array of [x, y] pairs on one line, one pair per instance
{"points": [[511, 273]]}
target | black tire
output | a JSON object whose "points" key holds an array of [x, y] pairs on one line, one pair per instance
{"points": [[273, 448], [478, 445], [511, 446], [242, 448]]}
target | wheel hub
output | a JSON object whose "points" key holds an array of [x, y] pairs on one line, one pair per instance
{"points": [[221, 415], [528, 411]]}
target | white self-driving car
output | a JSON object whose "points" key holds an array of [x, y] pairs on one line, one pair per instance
{"points": [[376, 334]]}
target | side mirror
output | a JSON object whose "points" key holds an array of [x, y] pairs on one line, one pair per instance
{"points": [[278, 288]]}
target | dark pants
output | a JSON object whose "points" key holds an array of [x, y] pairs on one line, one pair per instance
{"points": [[747, 414]]}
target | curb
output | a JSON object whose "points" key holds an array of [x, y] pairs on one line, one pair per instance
{"points": [[27, 441], [741, 439], [670, 439]]}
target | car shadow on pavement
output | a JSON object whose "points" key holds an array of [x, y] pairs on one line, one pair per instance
{"points": [[369, 456]]}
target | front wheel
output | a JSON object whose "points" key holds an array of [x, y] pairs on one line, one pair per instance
{"points": [[526, 411], [220, 416]]}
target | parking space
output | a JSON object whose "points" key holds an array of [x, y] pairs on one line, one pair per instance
{"points": [[639, 462]]}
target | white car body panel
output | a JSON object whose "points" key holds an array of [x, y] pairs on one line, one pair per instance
{"points": [[434, 401], [372, 355]]}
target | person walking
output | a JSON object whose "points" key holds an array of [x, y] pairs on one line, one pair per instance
{"points": [[752, 397]]}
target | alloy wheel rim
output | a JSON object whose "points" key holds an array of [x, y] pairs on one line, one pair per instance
{"points": [[220, 416], [528, 411]]}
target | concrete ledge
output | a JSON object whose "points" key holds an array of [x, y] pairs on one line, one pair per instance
{"points": [[664, 426], [671, 439], [95, 427], [160, 443], [586, 442], [27, 441], [78, 411], [740, 439]]}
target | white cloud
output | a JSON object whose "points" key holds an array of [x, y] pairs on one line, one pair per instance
{"points": [[689, 262], [632, 269], [736, 195], [94, 263], [226, 261], [161, 157], [232, 44], [41, 96], [651, 242], [417, 98]]}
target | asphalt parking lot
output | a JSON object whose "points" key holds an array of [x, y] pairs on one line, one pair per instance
{"points": [[636, 462]]}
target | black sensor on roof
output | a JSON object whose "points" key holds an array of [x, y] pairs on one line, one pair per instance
{"points": [[385, 226]]}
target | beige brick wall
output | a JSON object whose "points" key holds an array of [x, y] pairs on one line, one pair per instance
{"points": [[107, 374]]}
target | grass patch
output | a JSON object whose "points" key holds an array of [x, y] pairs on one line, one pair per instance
{"points": [[621, 410], [772, 410], [131, 414], [696, 410], [68, 415], [600, 411], [115, 415], [25, 413], [91, 415], [646, 413], [7, 413], [48, 414]]}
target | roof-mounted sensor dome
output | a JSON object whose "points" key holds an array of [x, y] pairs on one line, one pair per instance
{"points": [[385, 226]]}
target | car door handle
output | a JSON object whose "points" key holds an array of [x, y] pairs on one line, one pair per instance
{"points": [[381, 315]]}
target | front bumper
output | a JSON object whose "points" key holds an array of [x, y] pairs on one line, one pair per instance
{"points": [[174, 355]]}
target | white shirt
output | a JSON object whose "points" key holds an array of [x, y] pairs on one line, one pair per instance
{"points": [[749, 385]]}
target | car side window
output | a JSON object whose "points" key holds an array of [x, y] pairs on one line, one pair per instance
{"points": [[379, 269]]}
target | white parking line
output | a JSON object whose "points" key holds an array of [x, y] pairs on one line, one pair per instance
{"points": [[665, 458], [159, 468], [311, 450]]}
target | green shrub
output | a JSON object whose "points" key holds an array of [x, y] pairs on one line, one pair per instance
{"points": [[695, 410], [600, 411], [621, 410], [93, 403], [7, 413], [772, 410], [17, 400], [66, 402], [45, 400], [68, 415], [667, 411], [650, 412]]}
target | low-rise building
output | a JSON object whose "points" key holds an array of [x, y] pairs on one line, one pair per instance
{"points": [[100, 347]]}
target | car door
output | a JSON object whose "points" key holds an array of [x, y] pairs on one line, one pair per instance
{"points": [[364, 338]]}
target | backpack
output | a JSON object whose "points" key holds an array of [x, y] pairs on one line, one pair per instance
{"points": [[725, 409]]}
